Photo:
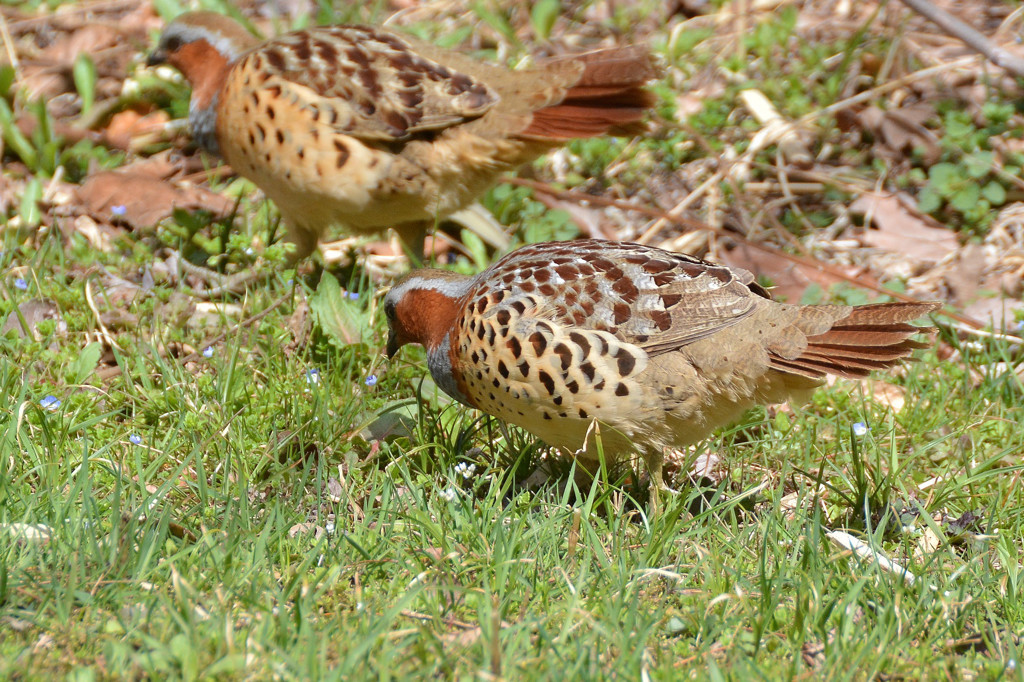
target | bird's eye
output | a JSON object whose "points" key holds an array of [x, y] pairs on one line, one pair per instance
{"points": [[172, 44], [389, 311]]}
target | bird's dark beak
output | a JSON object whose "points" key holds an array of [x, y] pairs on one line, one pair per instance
{"points": [[156, 58], [393, 344]]}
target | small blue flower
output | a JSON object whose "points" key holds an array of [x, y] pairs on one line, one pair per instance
{"points": [[371, 380], [20, 283], [50, 403], [119, 210], [313, 376], [353, 295], [208, 352], [861, 429], [135, 439]]}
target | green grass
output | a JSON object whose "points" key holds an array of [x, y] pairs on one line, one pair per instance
{"points": [[271, 512], [253, 532]]}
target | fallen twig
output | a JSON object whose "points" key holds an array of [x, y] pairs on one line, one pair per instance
{"points": [[971, 37]]}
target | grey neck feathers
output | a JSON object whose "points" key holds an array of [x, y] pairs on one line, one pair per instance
{"points": [[203, 122], [440, 366]]}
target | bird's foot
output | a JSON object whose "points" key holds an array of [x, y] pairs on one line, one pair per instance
{"points": [[217, 284]]}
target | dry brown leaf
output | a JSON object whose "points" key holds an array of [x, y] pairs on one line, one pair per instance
{"points": [[33, 311], [130, 125], [998, 311], [789, 279], [965, 274], [117, 292], [588, 219], [463, 639], [882, 392], [304, 528], [48, 72], [927, 544], [100, 236], [890, 395], [902, 229], [902, 130], [142, 201]]}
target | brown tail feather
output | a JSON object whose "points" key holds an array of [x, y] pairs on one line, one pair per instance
{"points": [[870, 337], [609, 98]]}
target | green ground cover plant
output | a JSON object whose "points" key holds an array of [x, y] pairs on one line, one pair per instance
{"points": [[242, 487]]}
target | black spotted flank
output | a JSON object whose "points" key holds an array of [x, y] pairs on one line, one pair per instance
{"points": [[549, 383], [581, 341], [539, 343], [328, 53], [276, 59], [564, 355], [302, 48], [625, 361], [588, 371], [343, 153]]}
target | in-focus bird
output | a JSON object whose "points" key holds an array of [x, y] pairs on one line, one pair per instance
{"points": [[659, 348], [362, 128]]}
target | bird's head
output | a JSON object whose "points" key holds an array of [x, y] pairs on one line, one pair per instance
{"points": [[423, 306], [202, 46]]}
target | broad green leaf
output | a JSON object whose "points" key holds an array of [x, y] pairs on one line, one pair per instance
{"points": [[496, 21], [965, 198], [979, 164], [18, 143], [86, 362], [929, 201], [168, 9], [84, 74], [994, 192], [395, 420], [338, 317], [7, 78], [543, 16], [944, 177], [29, 209]]}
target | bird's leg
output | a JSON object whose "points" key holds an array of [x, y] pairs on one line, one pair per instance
{"points": [[305, 241], [217, 284], [654, 458], [414, 239]]}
